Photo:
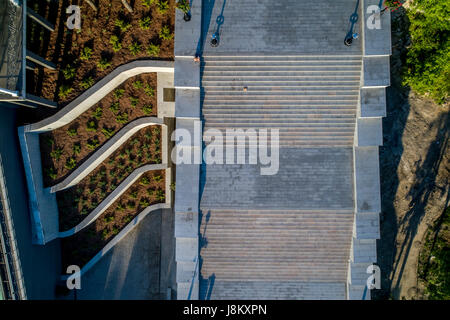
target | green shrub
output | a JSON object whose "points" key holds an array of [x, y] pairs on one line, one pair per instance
{"points": [[131, 205], [144, 23], [115, 42], [87, 83], [147, 109], [147, 3], [138, 84], [86, 53], [118, 93], [153, 50], [51, 173], [91, 126], [157, 178], [173, 186], [76, 148], [135, 48], [56, 154], [69, 72], [163, 6], [98, 112], [428, 58], [144, 203], [160, 195], [165, 33], [115, 107], [149, 90], [122, 24], [70, 163], [108, 219], [145, 181], [93, 143], [134, 101], [105, 234], [108, 132], [184, 6], [64, 91], [134, 194], [122, 118], [72, 132], [103, 64]]}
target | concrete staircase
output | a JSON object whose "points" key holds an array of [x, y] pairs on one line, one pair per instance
{"points": [[311, 99], [282, 251]]}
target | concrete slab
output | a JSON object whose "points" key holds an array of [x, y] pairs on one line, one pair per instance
{"points": [[186, 225], [187, 34], [188, 103], [376, 72], [369, 132], [165, 108], [367, 179], [187, 73], [187, 188], [372, 103], [377, 29]]}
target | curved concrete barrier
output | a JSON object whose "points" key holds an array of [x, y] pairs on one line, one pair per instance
{"points": [[99, 90], [112, 197], [107, 149], [118, 237]]}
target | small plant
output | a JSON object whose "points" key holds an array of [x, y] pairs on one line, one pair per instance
{"points": [[135, 48], [72, 132], [69, 72], [118, 93], [115, 42], [131, 205], [153, 50], [183, 6], [134, 194], [86, 53], [51, 173], [122, 24], [172, 186], [145, 181], [56, 154], [115, 107], [144, 23], [149, 90], [163, 6], [64, 91], [144, 203], [70, 163], [108, 132], [76, 148], [147, 3], [98, 112], [128, 218], [157, 178], [122, 118], [120, 207], [93, 143], [147, 109], [105, 234], [87, 82], [91, 126], [108, 219], [138, 84], [103, 64], [134, 101], [160, 195], [165, 33]]}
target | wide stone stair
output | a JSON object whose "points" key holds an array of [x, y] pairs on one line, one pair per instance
{"points": [[312, 100]]}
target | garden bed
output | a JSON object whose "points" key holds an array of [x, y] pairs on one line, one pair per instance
{"points": [[63, 149], [84, 245], [108, 38], [75, 203]]}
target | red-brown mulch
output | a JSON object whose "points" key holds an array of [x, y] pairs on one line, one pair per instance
{"points": [[57, 146], [76, 203], [83, 246]]}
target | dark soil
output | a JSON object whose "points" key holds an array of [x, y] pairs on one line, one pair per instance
{"points": [[83, 246], [77, 202], [57, 146], [64, 46]]}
